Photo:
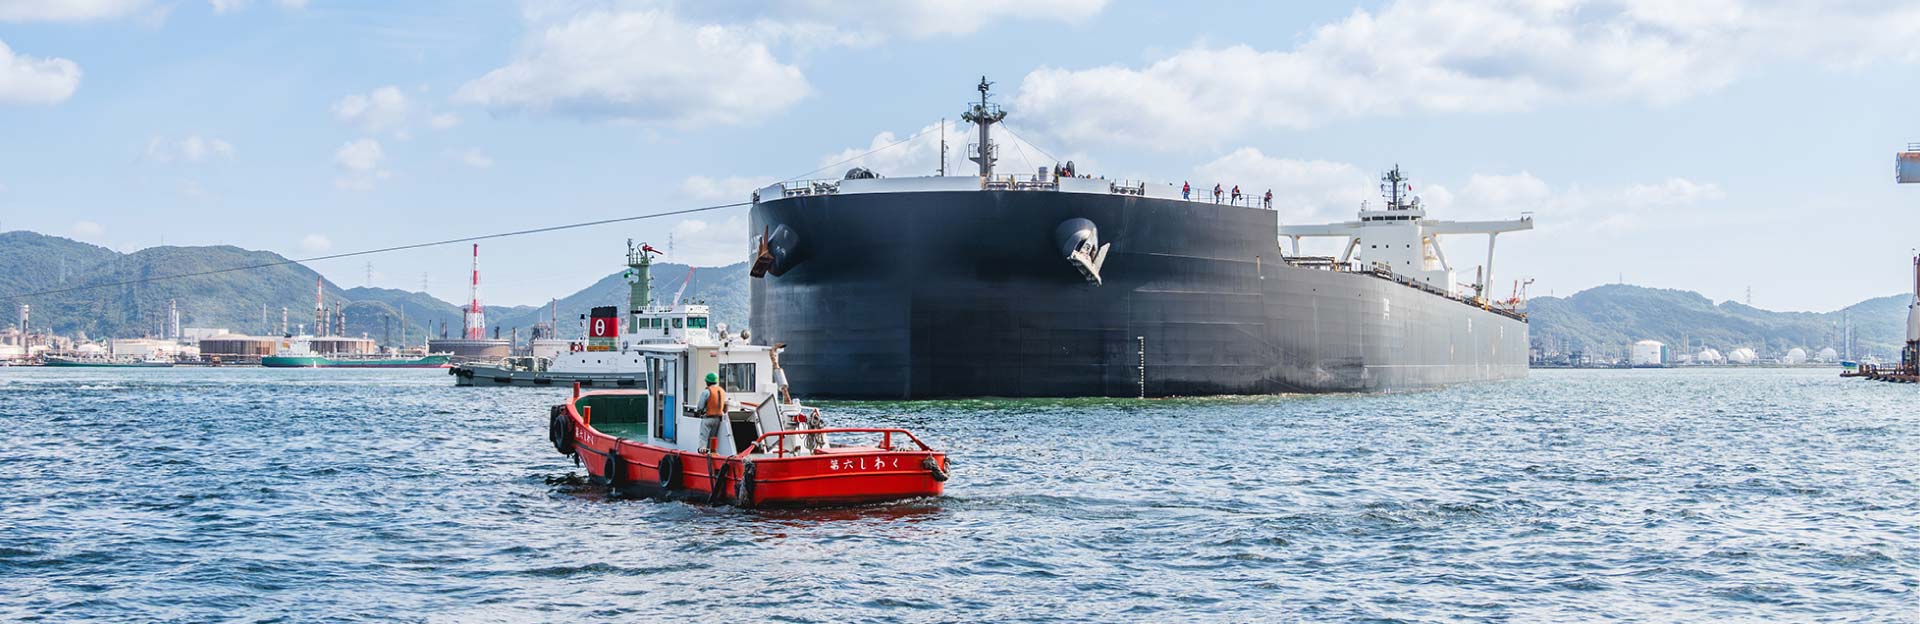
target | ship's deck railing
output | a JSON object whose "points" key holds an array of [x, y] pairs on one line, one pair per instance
{"points": [[1003, 182], [1020, 182], [1383, 271]]}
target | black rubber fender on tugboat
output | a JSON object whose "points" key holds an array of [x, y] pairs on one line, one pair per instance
{"points": [[560, 430], [743, 494], [669, 472], [616, 468], [933, 466]]}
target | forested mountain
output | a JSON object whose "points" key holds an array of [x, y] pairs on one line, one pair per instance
{"points": [[1605, 319], [250, 301]]}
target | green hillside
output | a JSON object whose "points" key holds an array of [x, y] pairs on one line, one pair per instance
{"points": [[1607, 318]]}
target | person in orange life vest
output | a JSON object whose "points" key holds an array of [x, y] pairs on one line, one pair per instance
{"points": [[713, 411], [1236, 193], [1269, 199], [1185, 189], [1216, 192]]}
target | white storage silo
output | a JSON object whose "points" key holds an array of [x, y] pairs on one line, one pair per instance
{"points": [[1648, 353]]}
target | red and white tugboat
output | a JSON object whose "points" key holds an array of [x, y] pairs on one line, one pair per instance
{"points": [[771, 451]]}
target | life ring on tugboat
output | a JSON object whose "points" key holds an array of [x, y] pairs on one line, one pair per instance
{"points": [[560, 430], [616, 468], [669, 472]]}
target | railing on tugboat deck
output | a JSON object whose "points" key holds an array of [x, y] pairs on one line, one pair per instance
{"points": [[886, 440]]}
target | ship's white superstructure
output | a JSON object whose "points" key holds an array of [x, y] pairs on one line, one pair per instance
{"points": [[1401, 238]]}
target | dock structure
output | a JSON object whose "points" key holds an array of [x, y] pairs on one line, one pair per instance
{"points": [[1909, 369], [1903, 374]]}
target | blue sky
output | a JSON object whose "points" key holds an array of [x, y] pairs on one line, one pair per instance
{"points": [[1710, 146]]}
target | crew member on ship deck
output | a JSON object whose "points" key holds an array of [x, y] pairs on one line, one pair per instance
{"points": [[713, 402]]}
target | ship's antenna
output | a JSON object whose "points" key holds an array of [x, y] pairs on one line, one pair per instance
{"points": [[943, 147]]}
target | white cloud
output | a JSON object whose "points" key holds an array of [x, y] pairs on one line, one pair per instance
{"points": [[727, 189], [315, 243], [360, 160], [1459, 56], [229, 6], [473, 157], [66, 10], [921, 18], [444, 121], [378, 110], [1505, 190], [642, 66], [88, 229], [359, 155], [700, 242], [192, 148], [29, 80], [1674, 192]]}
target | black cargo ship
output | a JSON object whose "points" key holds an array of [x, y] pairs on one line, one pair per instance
{"points": [[1053, 285]]}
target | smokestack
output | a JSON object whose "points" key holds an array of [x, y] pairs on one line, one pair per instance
{"points": [[476, 321], [283, 321], [319, 307]]}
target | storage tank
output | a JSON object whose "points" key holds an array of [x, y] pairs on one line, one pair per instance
{"points": [[1741, 355], [1827, 355], [1795, 355], [1906, 165], [1709, 355], [1648, 353]]}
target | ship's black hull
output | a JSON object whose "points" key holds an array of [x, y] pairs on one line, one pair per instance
{"points": [[952, 294]]}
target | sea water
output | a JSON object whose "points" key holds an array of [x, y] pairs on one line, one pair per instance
{"points": [[337, 495]]}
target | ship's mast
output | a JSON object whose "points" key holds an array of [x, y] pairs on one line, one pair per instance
{"points": [[1392, 185], [984, 114]]}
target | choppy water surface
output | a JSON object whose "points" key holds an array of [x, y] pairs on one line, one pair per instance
{"points": [[242, 494]]}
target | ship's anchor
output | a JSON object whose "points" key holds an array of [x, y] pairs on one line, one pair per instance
{"points": [[1079, 241]]}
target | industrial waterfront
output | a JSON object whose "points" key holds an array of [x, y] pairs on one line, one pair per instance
{"points": [[200, 494]]}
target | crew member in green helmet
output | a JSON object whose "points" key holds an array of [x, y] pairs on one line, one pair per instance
{"points": [[713, 408]]}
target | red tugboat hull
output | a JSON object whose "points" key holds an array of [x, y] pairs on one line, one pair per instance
{"points": [[841, 475]]}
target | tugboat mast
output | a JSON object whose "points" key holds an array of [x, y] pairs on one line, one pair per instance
{"points": [[639, 283], [984, 114]]}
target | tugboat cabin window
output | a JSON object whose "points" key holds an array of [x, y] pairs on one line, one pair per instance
{"points": [[696, 322], [737, 377], [676, 322]]}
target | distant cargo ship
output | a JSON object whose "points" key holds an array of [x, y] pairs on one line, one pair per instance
{"points": [[1057, 284], [96, 362], [322, 361]]}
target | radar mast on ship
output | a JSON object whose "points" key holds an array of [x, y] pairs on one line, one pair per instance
{"points": [[984, 114]]}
